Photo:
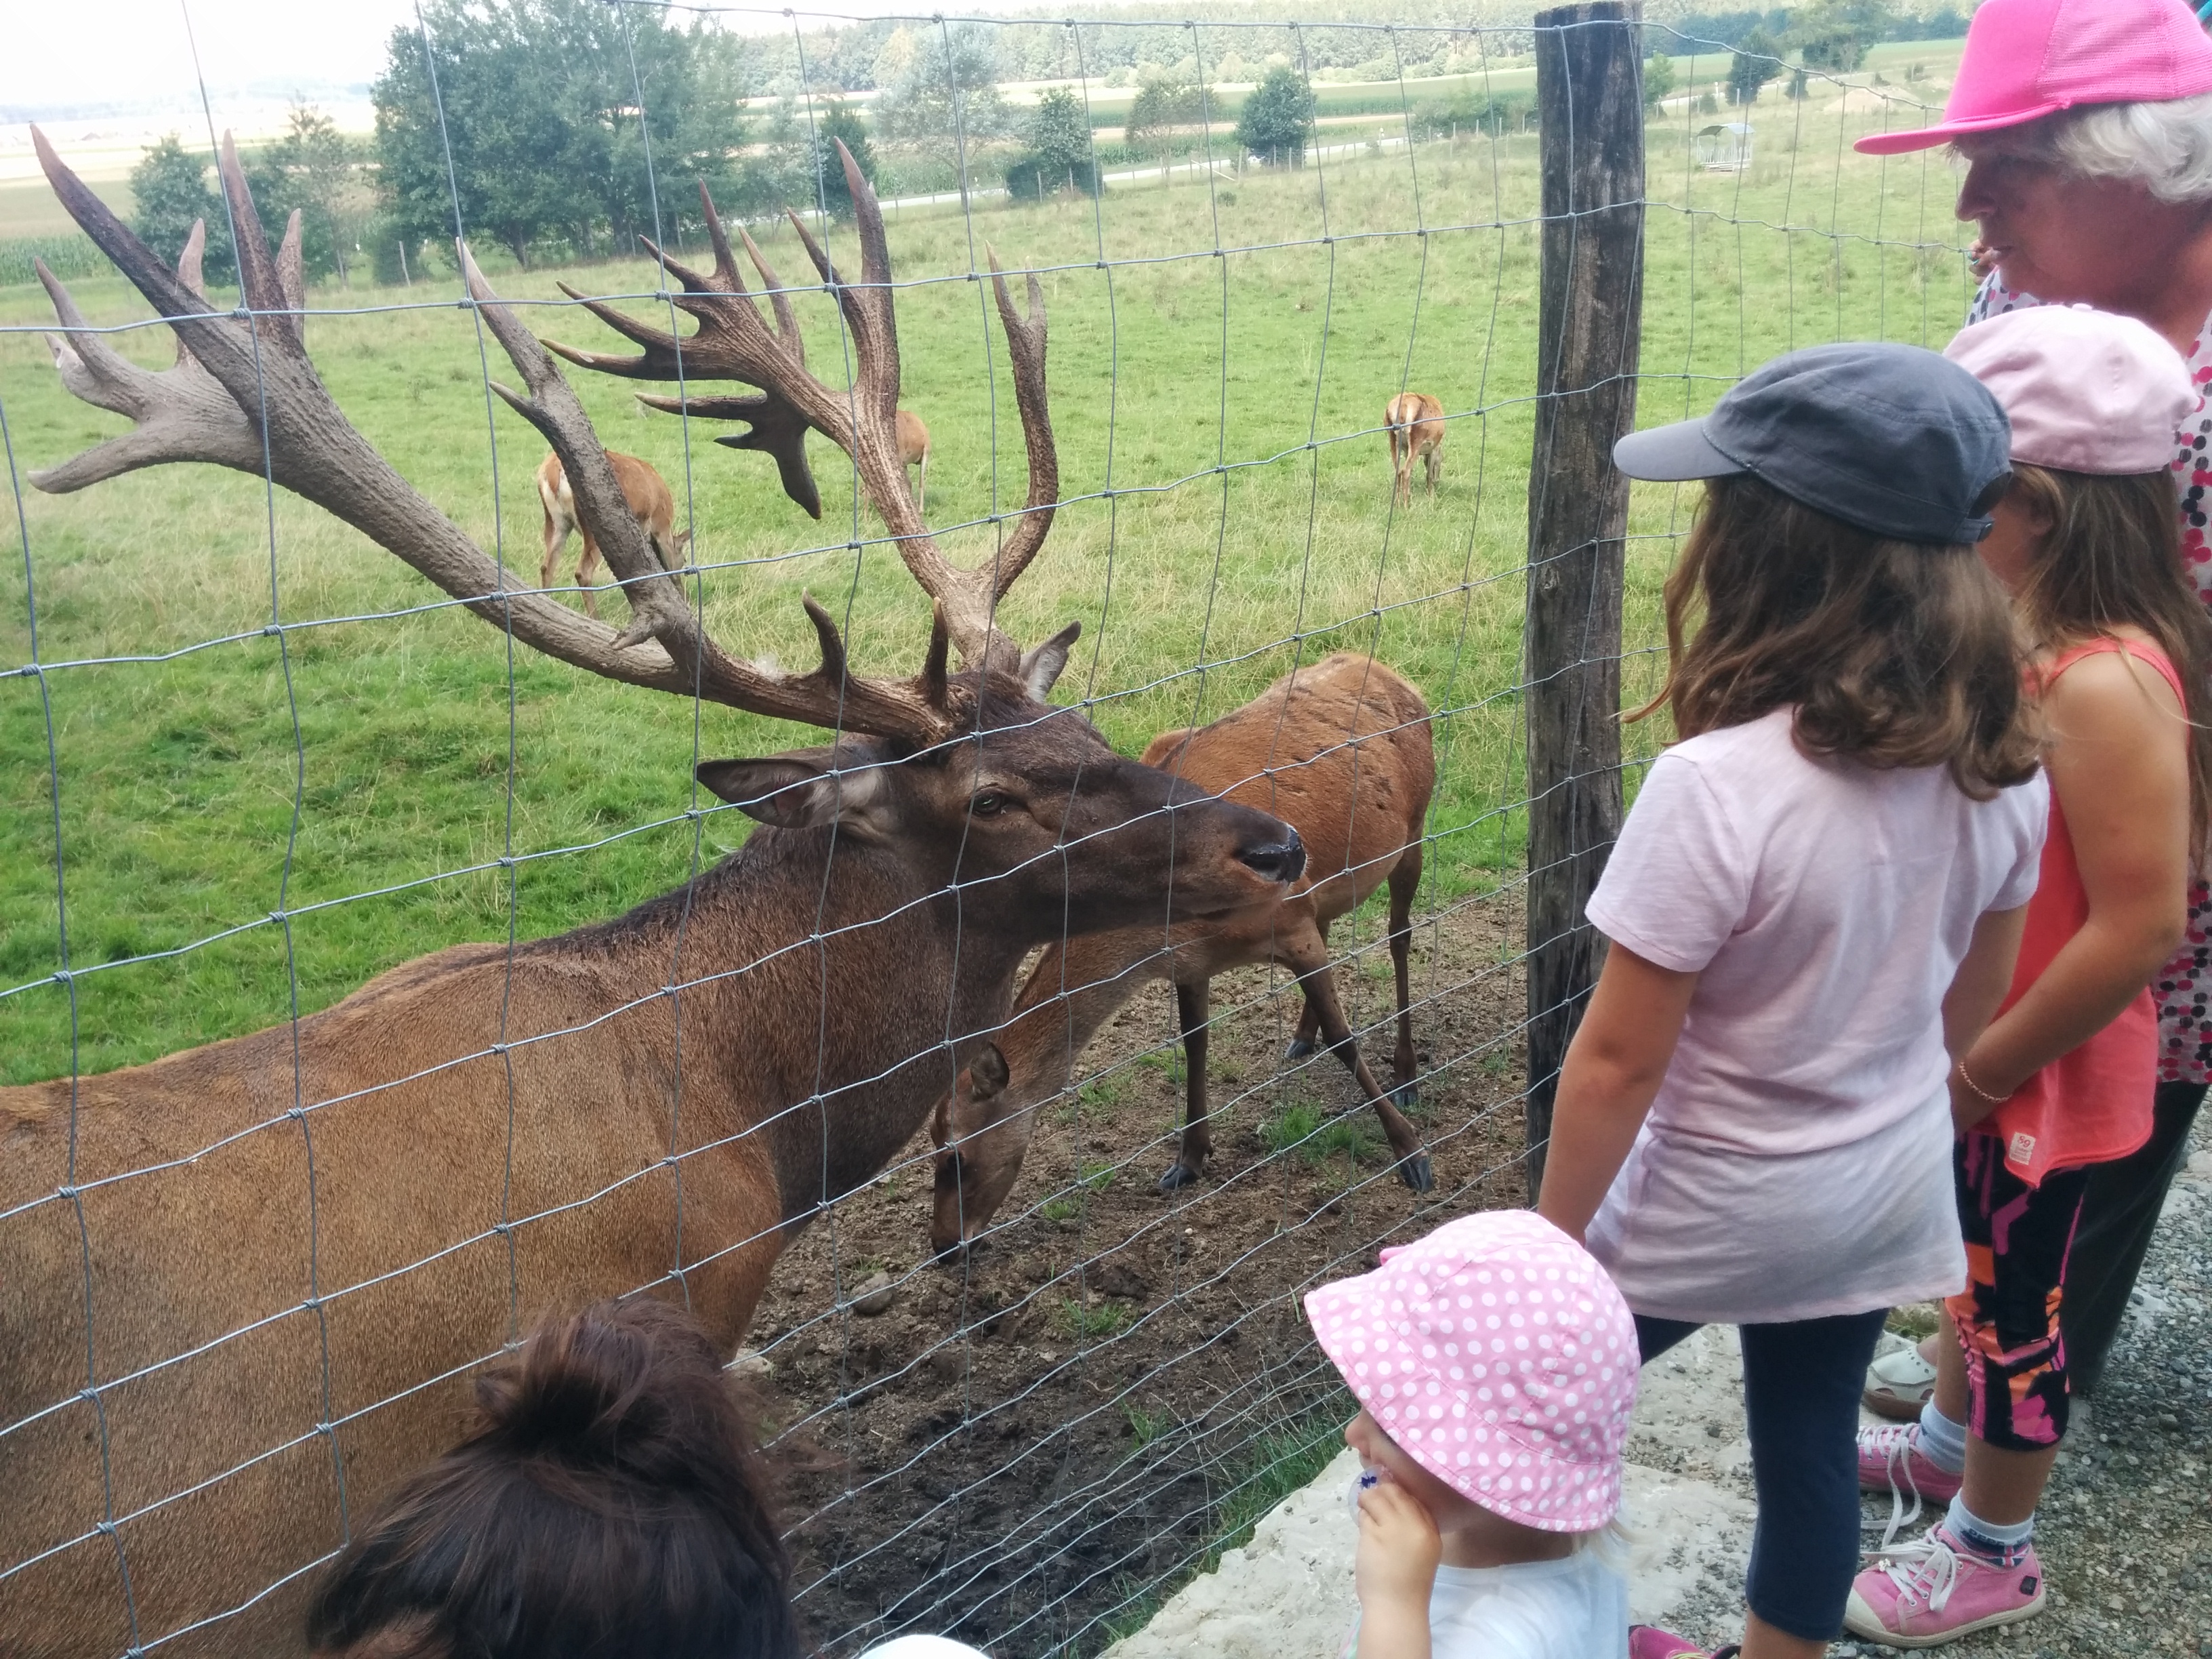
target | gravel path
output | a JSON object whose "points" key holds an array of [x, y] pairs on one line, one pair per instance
{"points": [[2125, 1533]]}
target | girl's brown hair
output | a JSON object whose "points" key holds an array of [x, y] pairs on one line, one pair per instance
{"points": [[2111, 561], [1893, 653], [608, 1506]]}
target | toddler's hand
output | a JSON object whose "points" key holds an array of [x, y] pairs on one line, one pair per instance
{"points": [[1399, 1549]]}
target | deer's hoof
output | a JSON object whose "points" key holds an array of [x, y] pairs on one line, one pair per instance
{"points": [[1406, 1096], [1416, 1173], [1180, 1174], [1299, 1048]]}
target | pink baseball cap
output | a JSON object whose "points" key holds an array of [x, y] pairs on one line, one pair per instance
{"points": [[2026, 59], [1500, 1358], [2086, 391]]}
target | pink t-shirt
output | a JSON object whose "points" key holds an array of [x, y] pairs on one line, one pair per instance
{"points": [[1796, 1162]]}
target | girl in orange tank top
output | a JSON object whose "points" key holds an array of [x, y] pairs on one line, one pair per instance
{"points": [[2061, 1080]]}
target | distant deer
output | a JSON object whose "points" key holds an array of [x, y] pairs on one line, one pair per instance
{"points": [[1341, 751], [242, 1288], [913, 451], [650, 501], [1416, 423]]}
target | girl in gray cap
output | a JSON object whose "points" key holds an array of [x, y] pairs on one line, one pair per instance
{"points": [[1814, 903]]}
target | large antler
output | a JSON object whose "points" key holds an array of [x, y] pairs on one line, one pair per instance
{"points": [[734, 341], [244, 395]]}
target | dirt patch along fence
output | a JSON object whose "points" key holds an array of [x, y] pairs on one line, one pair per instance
{"points": [[256, 763]]}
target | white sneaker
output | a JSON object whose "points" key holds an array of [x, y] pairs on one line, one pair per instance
{"points": [[1899, 1384]]}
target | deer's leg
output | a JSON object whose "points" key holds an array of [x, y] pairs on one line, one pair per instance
{"points": [[556, 537], [922, 485], [1308, 959], [1436, 459], [1302, 1042], [1404, 881], [586, 567], [1193, 1013]]}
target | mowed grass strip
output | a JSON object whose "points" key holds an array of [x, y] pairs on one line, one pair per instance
{"points": [[1220, 356]]}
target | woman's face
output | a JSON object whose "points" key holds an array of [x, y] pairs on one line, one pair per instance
{"points": [[2105, 242]]}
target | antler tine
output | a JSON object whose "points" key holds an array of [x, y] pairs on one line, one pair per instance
{"points": [[777, 429], [258, 275], [786, 320], [659, 361], [291, 277], [725, 263], [189, 264], [1025, 342], [246, 397]]}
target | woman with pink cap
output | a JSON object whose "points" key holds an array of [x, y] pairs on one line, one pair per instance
{"points": [[1495, 1368], [2087, 129], [2060, 1082]]}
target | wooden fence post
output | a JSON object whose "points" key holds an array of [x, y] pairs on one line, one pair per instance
{"points": [[1590, 105]]}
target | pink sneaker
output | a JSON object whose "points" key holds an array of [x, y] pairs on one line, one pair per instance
{"points": [[1649, 1642], [1891, 1460], [1936, 1590]]}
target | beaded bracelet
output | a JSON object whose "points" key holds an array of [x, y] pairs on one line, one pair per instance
{"points": [[1966, 1078]]}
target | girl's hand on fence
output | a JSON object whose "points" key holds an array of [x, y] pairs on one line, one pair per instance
{"points": [[1393, 1573]]}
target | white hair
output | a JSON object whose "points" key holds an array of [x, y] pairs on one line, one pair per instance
{"points": [[2165, 147]]}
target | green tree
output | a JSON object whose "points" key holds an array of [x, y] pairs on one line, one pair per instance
{"points": [[317, 169], [1164, 102], [1658, 78], [840, 121], [171, 187], [1757, 60], [543, 112], [949, 91], [1277, 121], [1834, 35], [1058, 156]]}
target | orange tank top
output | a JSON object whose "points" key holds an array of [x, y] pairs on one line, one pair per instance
{"points": [[2093, 1102]]}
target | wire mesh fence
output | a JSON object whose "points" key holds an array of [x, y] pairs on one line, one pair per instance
{"points": [[258, 762]]}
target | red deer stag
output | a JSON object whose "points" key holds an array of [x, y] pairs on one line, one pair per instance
{"points": [[913, 451], [1416, 423], [650, 502], [1341, 751], [244, 1285]]}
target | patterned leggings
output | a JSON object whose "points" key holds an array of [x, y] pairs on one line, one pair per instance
{"points": [[2007, 1318]]}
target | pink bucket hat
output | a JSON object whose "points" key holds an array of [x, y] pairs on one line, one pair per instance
{"points": [[1499, 1357], [2026, 59], [2086, 391]]}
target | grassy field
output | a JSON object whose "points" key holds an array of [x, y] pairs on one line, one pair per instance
{"points": [[1222, 375]]}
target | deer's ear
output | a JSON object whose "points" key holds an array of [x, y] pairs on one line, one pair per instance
{"points": [[803, 789], [987, 1075], [1041, 667]]}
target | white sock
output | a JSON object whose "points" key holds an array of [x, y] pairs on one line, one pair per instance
{"points": [[1942, 1442], [2000, 1542]]}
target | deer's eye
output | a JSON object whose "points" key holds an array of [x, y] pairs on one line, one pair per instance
{"points": [[988, 805]]}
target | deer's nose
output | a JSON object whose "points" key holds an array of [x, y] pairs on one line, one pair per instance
{"points": [[1281, 860]]}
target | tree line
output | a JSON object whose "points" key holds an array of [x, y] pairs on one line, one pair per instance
{"points": [[569, 129]]}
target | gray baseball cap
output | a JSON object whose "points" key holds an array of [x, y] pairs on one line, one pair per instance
{"points": [[1891, 438]]}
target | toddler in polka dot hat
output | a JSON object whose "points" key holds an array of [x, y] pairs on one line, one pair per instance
{"points": [[1495, 1366]]}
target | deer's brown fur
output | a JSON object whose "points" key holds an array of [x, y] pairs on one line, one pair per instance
{"points": [[650, 502], [241, 1287], [1341, 751], [1416, 425], [913, 451]]}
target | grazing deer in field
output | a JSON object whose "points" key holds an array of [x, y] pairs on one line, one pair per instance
{"points": [[245, 1285], [643, 489], [1341, 751], [1416, 423], [913, 451]]}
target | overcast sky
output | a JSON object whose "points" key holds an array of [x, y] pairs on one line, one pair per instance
{"points": [[112, 52]]}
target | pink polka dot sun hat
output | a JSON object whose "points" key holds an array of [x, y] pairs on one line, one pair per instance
{"points": [[1500, 1358]]}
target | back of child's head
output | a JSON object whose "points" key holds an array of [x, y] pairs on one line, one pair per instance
{"points": [[1497, 1355], [606, 1505], [1831, 570], [2095, 401]]}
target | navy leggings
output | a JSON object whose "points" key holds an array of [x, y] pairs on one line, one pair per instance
{"points": [[1801, 1391]]}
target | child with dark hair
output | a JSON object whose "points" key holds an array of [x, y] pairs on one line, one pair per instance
{"points": [[1814, 908], [607, 1503]]}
